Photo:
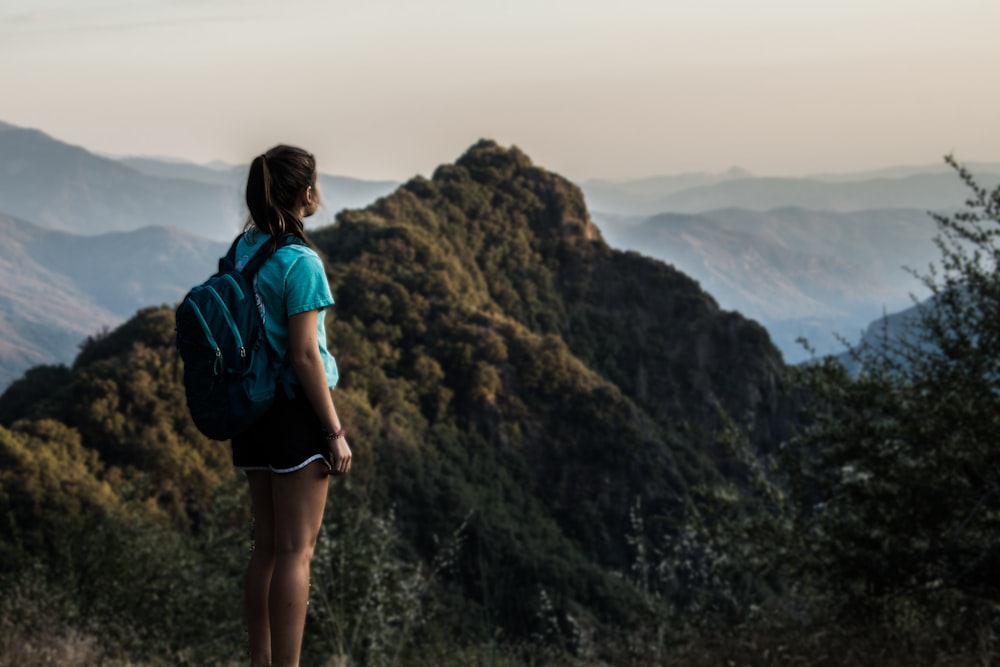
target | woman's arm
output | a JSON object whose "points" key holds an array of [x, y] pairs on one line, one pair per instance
{"points": [[306, 362]]}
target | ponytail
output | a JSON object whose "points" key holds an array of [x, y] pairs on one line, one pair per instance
{"points": [[262, 211], [275, 185]]}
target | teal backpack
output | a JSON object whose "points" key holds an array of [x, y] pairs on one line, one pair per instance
{"points": [[230, 372]]}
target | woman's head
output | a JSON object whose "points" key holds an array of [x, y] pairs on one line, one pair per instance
{"points": [[281, 190]]}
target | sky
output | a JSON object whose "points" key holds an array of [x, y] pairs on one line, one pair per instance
{"points": [[386, 89]]}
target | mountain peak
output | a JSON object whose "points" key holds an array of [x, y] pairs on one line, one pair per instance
{"points": [[487, 154], [489, 165]]}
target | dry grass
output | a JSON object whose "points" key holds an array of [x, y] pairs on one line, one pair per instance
{"points": [[826, 649], [36, 630], [19, 648]]}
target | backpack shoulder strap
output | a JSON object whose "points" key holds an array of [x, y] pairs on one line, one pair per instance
{"points": [[228, 261], [263, 254]]}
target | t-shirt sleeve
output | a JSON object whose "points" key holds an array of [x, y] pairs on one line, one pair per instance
{"points": [[306, 287]]}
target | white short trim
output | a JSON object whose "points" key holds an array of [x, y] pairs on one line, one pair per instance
{"points": [[314, 457]]}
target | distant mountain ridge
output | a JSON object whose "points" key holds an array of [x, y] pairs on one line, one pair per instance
{"points": [[125, 271], [892, 333], [923, 191], [919, 188], [58, 288], [68, 188], [799, 272], [225, 176], [815, 258], [338, 192], [643, 195], [43, 314], [902, 171]]}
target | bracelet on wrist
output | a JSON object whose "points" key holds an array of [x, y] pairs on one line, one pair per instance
{"points": [[335, 435]]}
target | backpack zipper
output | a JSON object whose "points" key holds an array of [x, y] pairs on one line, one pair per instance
{"points": [[229, 321], [208, 334], [236, 285]]}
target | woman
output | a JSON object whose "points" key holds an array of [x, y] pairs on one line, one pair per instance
{"points": [[288, 455]]}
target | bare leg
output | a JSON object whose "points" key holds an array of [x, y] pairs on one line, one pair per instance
{"points": [[298, 500], [257, 582]]}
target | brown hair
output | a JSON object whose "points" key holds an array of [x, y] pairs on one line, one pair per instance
{"points": [[275, 185]]}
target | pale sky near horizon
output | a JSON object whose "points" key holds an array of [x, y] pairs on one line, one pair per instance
{"points": [[587, 88]]}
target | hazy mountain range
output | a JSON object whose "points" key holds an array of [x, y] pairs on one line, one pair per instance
{"points": [[338, 192], [901, 327], [920, 187], [58, 288], [801, 273], [805, 257], [66, 187], [817, 257]]}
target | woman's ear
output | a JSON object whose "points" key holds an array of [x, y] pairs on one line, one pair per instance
{"points": [[309, 201], [308, 195]]}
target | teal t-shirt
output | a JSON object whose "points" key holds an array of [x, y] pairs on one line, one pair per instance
{"points": [[291, 281]]}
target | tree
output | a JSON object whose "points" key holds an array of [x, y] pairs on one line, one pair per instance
{"points": [[899, 466]]}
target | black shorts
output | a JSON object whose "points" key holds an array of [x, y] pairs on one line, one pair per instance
{"points": [[287, 438]]}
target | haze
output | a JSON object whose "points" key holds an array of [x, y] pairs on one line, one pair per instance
{"points": [[612, 88]]}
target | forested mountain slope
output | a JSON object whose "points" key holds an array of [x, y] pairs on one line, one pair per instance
{"points": [[506, 377]]}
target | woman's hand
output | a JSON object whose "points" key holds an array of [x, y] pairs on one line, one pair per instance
{"points": [[307, 364], [340, 455]]}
